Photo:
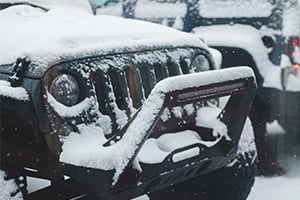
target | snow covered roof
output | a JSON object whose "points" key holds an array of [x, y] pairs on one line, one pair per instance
{"points": [[158, 9], [235, 8], [45, 36]]}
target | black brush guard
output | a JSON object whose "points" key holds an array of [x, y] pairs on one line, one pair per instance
{"points": [[87, 183]]}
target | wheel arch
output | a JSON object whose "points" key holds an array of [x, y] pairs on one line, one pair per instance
{"points": [[235, 56]]}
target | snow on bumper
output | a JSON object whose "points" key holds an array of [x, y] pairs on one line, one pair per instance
{"points": [[18, 93], [87, 149]]}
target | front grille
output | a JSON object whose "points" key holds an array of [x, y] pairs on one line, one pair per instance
{"points": [[124, 80]]}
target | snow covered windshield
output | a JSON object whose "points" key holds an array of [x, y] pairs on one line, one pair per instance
{"points": [[235, 8]]}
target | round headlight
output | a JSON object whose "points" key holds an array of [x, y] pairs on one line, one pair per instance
{"points": [[200, 64], [65, 89]]}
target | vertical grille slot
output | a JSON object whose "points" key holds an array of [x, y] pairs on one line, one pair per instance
{"points": [[184, 66], [135, 85], [119, 84], [173, 68], [148, 78], [161, 71], [100, 93]]}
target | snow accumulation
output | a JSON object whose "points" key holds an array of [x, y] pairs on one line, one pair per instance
{"points": [[217, 55], [207, 117], [62, 31], [297, 54], [145, 9], [85, 149], [205, 78], [67, 111], [8, 188], [248, 38], [234, 8], [18, 93], [274, 128], [277, 188], [156, 150], [291, 21], [156, 9], [247, 143]]}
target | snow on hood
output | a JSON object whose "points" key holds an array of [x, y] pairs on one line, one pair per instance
{"points": [[45, 36], [248, 38]]}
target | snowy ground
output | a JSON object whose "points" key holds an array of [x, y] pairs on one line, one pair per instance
{"points": [[278, 188]]}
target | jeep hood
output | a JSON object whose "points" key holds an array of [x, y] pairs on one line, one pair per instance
{"points": [[47, 37]]}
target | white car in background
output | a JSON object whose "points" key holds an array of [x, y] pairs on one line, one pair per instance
{"points": [[109, 108]]}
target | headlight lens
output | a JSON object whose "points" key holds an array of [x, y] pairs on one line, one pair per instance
{"points": [[200, 64], [65, 89]]}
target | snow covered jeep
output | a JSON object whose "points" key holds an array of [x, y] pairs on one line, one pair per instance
{"points": [[109, 108]]}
